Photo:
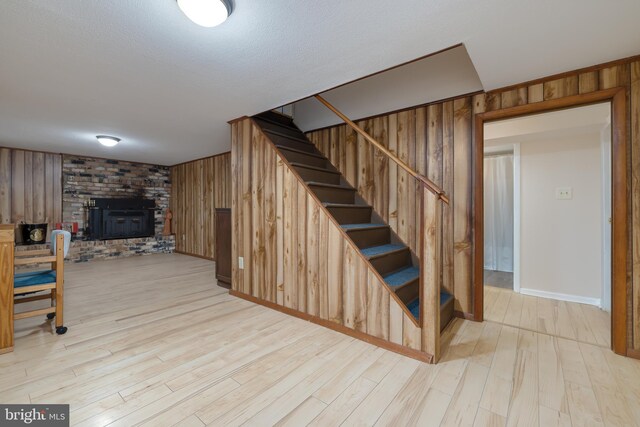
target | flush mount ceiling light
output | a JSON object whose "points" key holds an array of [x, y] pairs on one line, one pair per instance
{"points": [[206, 13], [108, 141]]}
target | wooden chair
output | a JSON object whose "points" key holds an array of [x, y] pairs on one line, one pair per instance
{"points": [[43, 284]]}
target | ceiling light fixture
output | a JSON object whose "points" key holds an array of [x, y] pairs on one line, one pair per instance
{"points": [[206, 13], [108, 141]]}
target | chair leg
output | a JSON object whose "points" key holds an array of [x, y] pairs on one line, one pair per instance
{"points": [[53, 301], [59, 299]]}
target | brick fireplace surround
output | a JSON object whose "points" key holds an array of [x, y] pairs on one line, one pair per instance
{"points": [[84, 178]]}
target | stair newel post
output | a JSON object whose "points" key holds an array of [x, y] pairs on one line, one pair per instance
{"points": [[430, 266]]}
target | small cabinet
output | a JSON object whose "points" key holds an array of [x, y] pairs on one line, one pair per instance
{"points": [[223, 247]]}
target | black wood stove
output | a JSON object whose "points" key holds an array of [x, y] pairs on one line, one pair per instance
{"points": [[121, 218]]}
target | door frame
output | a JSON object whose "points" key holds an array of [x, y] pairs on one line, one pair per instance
{"points": [[619, 237], [514, 149]]}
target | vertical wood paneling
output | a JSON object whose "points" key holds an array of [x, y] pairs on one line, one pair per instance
{"points": [[312, 262], [635, 196], [197, 189], [462, 220], [280, 200], [236, 161], [566, 86], [447, 210], [514, 97], [30, 187], [535, 93], [5, 186], [588, 82], [430, 267], [301, 253], [318, 270], [456, 176], [290, 241], [335, 278]]}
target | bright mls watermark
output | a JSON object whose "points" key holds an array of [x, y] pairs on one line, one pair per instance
{"points": [[34, 415]]}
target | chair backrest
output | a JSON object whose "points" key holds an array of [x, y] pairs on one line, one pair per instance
{"points": [[67, 241]]}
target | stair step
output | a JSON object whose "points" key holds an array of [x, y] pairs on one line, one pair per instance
{"points": [[333, 193], [388, 258], [315, 174], [446, 309], [402, 277], [296, 138], [303, 157], [280, 141], [283, 130], [405, 283], [277, 117], [362, 226], [349, 213], [376, 251], [368, 235]]}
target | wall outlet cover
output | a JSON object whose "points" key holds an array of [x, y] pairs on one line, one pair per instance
{"points": [[564, 193]]}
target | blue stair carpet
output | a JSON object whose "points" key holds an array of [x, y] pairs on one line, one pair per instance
{"points": [[401, 277], [363, 225], [33, 278], [414, 306], [377, 250]]}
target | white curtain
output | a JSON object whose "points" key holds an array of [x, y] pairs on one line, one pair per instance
{"points": [[498, 212]]}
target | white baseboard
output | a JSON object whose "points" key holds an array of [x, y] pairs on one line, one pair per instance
{"points": [[562, 297]]}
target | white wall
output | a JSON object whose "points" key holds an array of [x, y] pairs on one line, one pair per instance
{"points": [[447, 74], [561, 240]]}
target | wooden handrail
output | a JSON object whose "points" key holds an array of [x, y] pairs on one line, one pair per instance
{"points": [[430, 185]]}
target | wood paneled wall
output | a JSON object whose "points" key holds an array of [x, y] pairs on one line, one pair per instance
{"points": [[297, 258], [30, 187], [197, 189], [438, 139]]}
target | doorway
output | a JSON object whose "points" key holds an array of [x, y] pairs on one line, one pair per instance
{"points": [[612, 261]]}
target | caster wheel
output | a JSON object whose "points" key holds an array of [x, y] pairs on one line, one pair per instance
{"points": [[51, 316], [61, 330]]}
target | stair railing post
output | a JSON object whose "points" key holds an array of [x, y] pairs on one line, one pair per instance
{"points": [[430, 272]]}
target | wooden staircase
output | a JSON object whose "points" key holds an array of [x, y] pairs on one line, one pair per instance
{"points": [[388, 255]]}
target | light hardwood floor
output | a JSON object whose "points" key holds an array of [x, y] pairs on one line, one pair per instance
{"points": [[578, 322], [152, 341]]}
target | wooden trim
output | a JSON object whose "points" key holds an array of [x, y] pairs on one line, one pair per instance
{"points": [[567, 74], [430, 185], [633, 353], [58, 293], [341, 230], [30, 299], [239, 119], [617, 97], [36, 260], [387, 345], [202, 158], [193, 255], [35, 288], [6, 286], [34, 313], [33, 253]]}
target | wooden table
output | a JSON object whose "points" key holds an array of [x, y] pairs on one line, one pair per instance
{"points": [[7, 246]]}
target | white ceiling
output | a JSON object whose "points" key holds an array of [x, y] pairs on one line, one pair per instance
{"points": [[139, 69]]}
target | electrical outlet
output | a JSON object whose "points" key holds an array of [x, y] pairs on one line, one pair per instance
{"points": [[564, 193], [241, 263]]}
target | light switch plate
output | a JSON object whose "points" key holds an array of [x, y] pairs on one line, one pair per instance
{"points": [[241, 263], [564, 193]]}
